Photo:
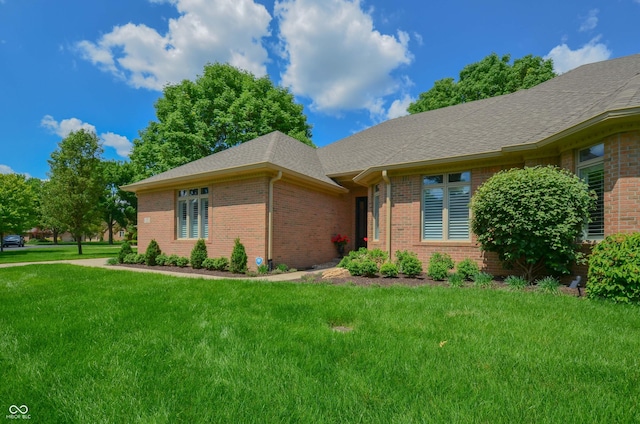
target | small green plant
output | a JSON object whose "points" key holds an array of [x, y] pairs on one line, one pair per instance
{"points": [[182, 261], [468, 268], [362, 262], [483, 280], [614, 269], [161, 259], [238, 264], [456, 279], [221, 264], [172, 260], [516, 283], [408, 263], [198, 254], [282, 267], [125, 249], [153, 250], [548, 285], [378, 256], [439, 266], [112, 261], [389, 269], [263, 269], [208, 264]]}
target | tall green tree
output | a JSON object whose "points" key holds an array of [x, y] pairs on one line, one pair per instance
{"points": [[492, 76], [18, 210], [118, 207], [76, 183], [222, 108], [49, 218]]}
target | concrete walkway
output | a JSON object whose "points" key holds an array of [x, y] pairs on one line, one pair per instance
{"points": [[102, 263]]}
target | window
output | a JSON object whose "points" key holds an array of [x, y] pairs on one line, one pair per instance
{"points": [[193, 213], [591, 170], [445, 206], [376, 212]]}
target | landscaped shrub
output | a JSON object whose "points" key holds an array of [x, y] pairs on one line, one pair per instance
{"points": [[263, 269], [614, 269], [362, 262], [221, 264], [483, 280], [516, 283], [172, 260], [161, 259], [378, 256], [389, 269], [238, 264], [125, 249], [456, 279], [112, 261], [439, 266], [282, 267], [532, 218], [408, 263], [182, 261], [467, 268], [198, 254], [153, 250], [548, 285]]}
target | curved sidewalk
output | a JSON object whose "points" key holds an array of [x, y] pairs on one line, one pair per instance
{"points": [[102, 263]]}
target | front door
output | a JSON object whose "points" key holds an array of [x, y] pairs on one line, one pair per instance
{"points": [[361, 222]]}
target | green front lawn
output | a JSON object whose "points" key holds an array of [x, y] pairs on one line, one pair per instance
{"points": [[57, 253], [95, 345]]}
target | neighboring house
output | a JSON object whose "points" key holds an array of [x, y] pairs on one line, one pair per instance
{"points": [[405, 183]]}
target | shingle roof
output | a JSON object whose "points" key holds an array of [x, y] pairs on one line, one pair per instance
{"points": [[522, 118]]}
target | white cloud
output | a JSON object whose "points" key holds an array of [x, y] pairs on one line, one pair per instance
{"points": [[4, 169], [399, 107], [227, 31], [121, 144], [590, 21], [336, 57], [565, 59]]}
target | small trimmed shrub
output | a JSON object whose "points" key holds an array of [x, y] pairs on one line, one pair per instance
{"points": [[125, 249], [548, 285], [221, 264], [516, 283], [153, 250], [378, 256], [483, 280], [282, 268], [456, 279], [238, 264], [614, 269], [172, 260], [208, 264], [129, 258], [389, 269], [362, 262], [161, 259], [263, 269], [198, 254], [408, 263], [182, 261], [467, 268], [439, 266], [112, 261]]}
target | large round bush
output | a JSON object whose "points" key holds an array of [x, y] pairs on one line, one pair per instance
{"points": [[614, 269]]}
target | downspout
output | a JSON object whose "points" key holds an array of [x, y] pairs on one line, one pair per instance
{"points": [[270, 224], [387, 190]]}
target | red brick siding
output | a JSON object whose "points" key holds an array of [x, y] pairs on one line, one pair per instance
{"points": [[304, 221], [622, 183]]}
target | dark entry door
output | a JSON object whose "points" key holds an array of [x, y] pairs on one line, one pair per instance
{"points": [[361, 222]]}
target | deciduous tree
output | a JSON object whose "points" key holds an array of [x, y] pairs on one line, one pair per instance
{"points": [[492, 76], [220, 109], [17, 205], [76, 183]]}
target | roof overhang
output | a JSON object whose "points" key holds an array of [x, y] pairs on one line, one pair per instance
{"points": [[233, 173]]}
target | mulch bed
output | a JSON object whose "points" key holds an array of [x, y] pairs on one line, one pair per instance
{"points": [[316, 277]]}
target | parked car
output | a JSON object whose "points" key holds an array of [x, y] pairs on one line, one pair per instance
{"points": [[13, 240]]}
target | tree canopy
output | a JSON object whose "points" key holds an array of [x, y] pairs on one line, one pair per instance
{"points": [[76, 183], [18, 209], [220, 109], [117, 206], [492, 76], [532, 218]]}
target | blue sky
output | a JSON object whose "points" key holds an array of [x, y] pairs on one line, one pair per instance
{"points": [[101, 64]]}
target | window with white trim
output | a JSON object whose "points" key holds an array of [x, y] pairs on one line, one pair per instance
{"points": [[445, 206], [376, 212], [193, 213], [591, 170]]}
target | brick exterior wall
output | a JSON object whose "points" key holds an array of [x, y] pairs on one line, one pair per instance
{"points": [[622, 183]]}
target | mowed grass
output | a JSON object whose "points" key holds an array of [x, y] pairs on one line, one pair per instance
{"points": [[57, 253], [93, 345]]}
